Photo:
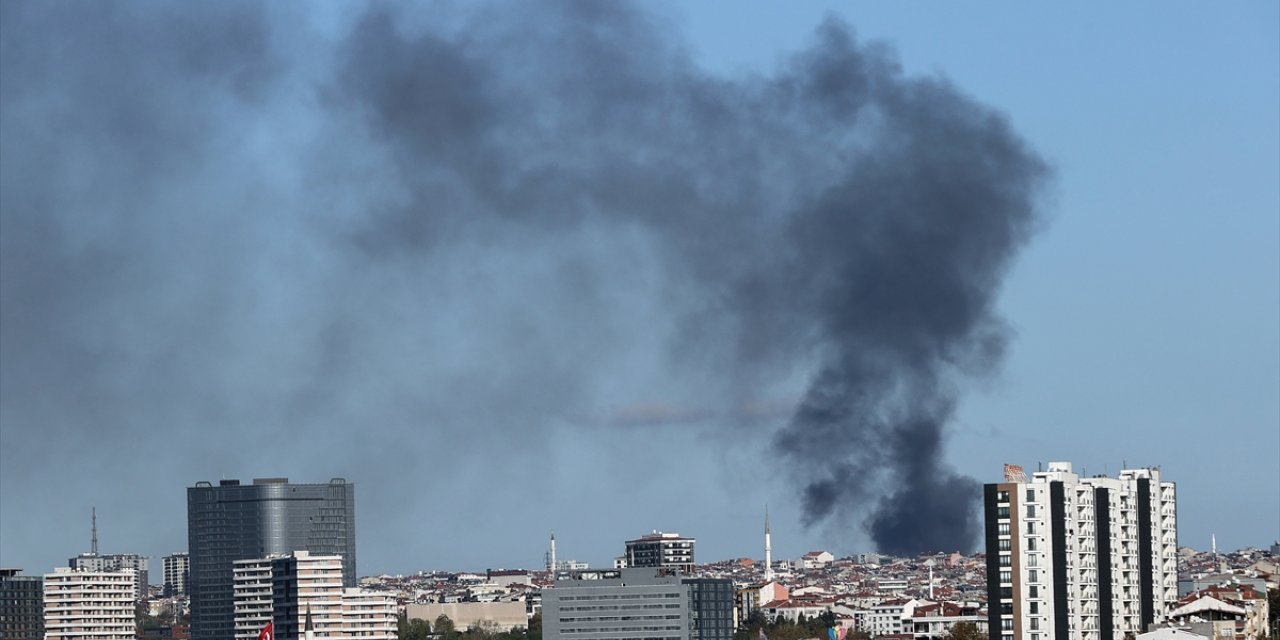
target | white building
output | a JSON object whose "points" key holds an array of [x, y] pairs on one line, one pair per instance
{"points": [[893, 617], [816, 560], [84, 605], [286, 589], [251, 587], [370, 615], [1080, 558], [115, 562], [177, 569]]}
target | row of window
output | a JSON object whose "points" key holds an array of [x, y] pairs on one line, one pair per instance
{"points": [[629, 596], [612, 618], [618, 607], [619, 629]]}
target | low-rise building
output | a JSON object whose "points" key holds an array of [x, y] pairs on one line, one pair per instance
{"points": [[816, 560], [636, 604], [465, 615]]}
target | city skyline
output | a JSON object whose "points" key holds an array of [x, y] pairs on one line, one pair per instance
{"points": [[192, 289]]}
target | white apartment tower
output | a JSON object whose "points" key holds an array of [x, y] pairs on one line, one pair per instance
{"points": [[1071, 558], [251, 589], [177, 570], [302, 594], [84, 605]]}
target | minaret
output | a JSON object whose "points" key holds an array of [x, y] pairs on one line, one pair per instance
{"points": [[551, 557], [768, 548], [308, 629], [93, 546]]}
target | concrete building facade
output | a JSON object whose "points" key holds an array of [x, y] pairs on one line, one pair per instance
{"points": [[637, 603], [1072, 558], [291, 590], [501, 615], [177, 568], [90, 605], [231, 522], [115, 562], [21, 606], [659, 549]]}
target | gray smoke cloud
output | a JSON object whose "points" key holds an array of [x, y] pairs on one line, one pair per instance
{"points": [[226, 223]]}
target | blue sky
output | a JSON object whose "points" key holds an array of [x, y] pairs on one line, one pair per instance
{"points": [[199, 323]]}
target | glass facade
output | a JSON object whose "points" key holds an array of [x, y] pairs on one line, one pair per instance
{"points": [[21, 606], [231, 521], [710, 608]]}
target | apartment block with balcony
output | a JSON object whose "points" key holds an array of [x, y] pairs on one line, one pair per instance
{"points": [[1080, 558], [90, 605]]}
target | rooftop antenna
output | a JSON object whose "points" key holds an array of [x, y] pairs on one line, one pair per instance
{"points": [[93, 547]]}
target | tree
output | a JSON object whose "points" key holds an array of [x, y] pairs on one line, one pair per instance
{"points": [[965, 631], [535, 627], [1273, 615], [415, 629], [444, 628], [827, 618]]}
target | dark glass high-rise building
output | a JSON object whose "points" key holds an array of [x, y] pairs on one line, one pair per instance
{"points": [[21, 606], [231, 521]]}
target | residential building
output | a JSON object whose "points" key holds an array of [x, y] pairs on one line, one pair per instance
{"points": [[177, 568], [232, 521], [893, 617], [372, 615], [1074, 558], [251, 593], [816, 560], [94, 561], [21, 606], [301, 590], [637, 603], [936, 620], [90, 605], [659, 549]]}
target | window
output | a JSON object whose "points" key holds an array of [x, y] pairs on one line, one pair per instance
{"points": [[1035, 608], [1006, 560], [1002, 496], [1006, 592], [1035, 624], [1033, 576], [1006, 608], [1031, 495], [1031, 544], [1031, 528], [1031, 511], [1034, 592], [1003, 528], [1006, 625], [1006, 576], [1002, 512], [1005, 545]]}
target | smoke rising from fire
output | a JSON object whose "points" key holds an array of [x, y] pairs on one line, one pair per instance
{"points": [[467, 215]]}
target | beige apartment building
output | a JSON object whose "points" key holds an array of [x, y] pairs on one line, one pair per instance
{"points": [[289, 589], [90, 605]]}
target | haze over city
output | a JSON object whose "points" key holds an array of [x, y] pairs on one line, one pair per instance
{"points": [[599, 269]]}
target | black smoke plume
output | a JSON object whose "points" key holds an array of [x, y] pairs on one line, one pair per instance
{"points": [[435, 222], [836, 208]]}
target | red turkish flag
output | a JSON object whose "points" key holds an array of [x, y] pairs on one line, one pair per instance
{"points": [[267, 633]]}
